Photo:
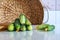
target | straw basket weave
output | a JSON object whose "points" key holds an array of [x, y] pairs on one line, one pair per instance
{"points": [[11, 9]]}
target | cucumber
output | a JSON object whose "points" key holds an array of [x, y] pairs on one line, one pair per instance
{"points": [[11, 27], [17, 24], [42, 26], [27, 22], [23, 28], [45, 27], [22, 18], [51, 27], [29, 27]]}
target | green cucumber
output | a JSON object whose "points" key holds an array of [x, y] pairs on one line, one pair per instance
{"points": [[42, 26], [28, 22], [23, 28], [45, 27], [11, 27], [51, 27], [29, 27], [17, 24], [22, 18]]}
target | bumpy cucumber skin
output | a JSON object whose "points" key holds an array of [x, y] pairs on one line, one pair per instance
{"points": [[22, 18], [11, 27]]}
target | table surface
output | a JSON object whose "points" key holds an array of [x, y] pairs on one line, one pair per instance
{"points": [[30, 35]]}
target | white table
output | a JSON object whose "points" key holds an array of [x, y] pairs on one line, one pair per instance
{"points": [[30, 35]]}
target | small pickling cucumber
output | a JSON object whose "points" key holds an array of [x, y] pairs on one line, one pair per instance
{"points": [[27, 22], [29, 27], [17, 24], [22, 18], [11, 27], [42, 26], [45, 27], [23, 28], [50, 28]]}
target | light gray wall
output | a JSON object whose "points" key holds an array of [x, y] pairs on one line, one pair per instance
{"points": [[51, 4]]}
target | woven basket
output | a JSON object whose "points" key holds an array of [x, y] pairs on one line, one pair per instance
{"points": [[11, 9]]}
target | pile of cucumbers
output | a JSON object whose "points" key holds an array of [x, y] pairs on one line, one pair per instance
{"points": [[20, 24], [45, 27]]}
